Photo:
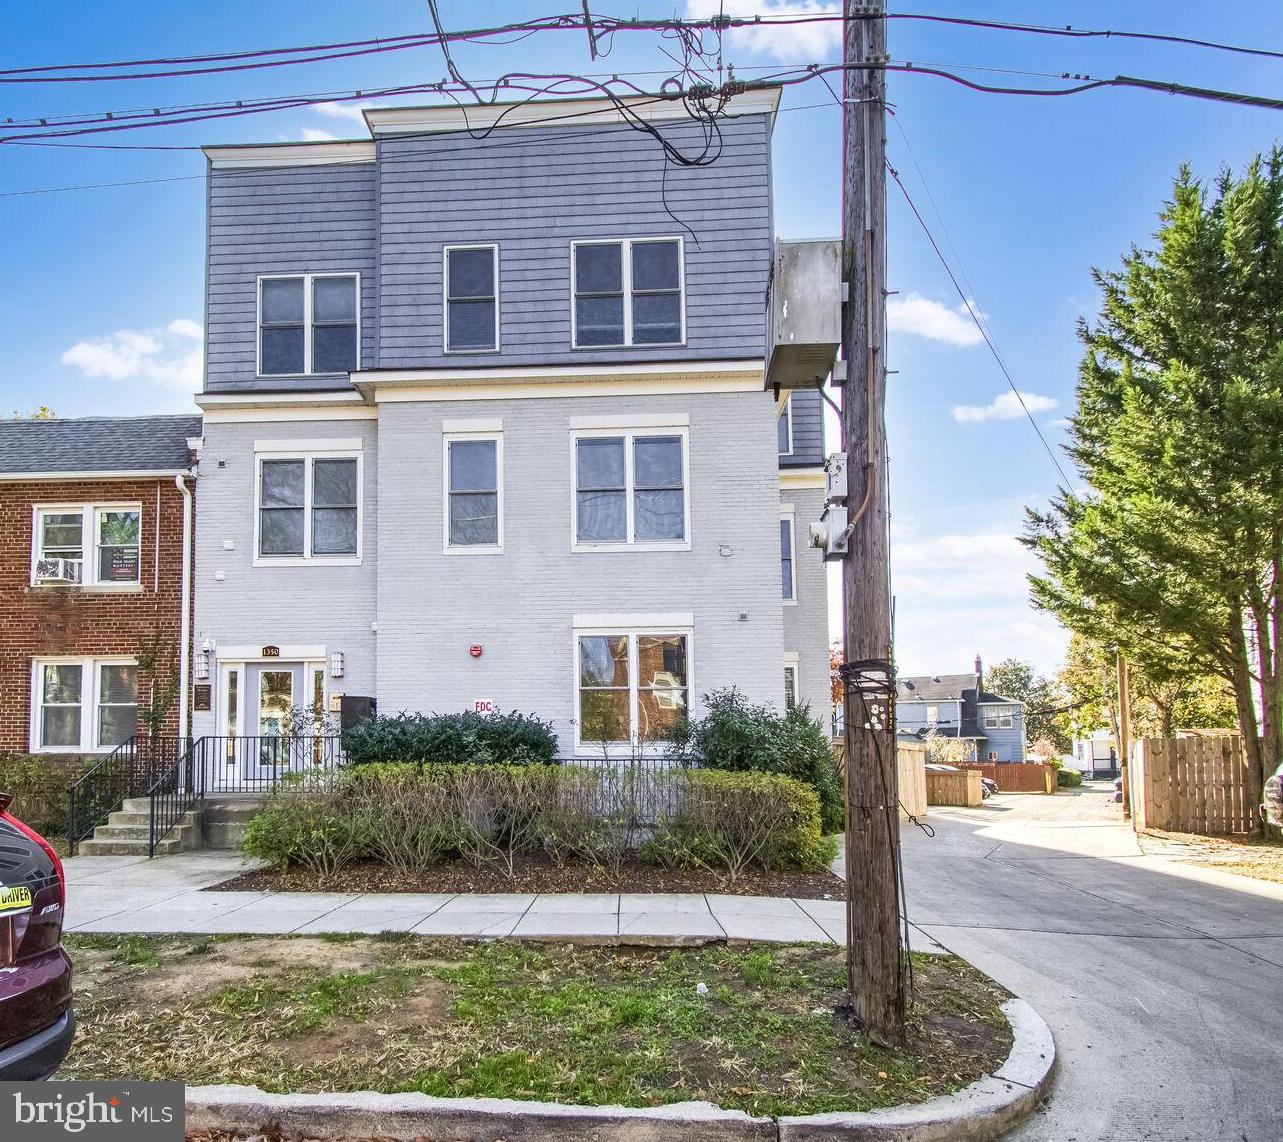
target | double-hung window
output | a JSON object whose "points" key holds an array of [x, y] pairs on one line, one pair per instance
{"points": [[83, 705], [784, 429], [790, 685], [628, 292], [788, 582], [309, 508], [474, 493], [91, 545], [630, 489], [998, 717], [472, 299], [632, 685], [308, 324]]}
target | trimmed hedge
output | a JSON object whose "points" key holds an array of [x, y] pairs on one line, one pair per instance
{"points": [[465, 738], [1069, 778]]}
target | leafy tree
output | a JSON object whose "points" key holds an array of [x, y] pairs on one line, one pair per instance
{"points": [[942, 750], [43, 412], [1173, 550], [1043, 700]]}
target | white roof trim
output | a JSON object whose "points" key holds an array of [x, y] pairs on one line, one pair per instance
{"points": [[133, 474], [320, 399], [391, 378], [289, 154], [798, 478]]}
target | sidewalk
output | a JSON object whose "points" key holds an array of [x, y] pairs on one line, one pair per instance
{"points": [[135, 895]]}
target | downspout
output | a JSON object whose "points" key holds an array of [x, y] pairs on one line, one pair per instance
{"points": [[185, 604]]}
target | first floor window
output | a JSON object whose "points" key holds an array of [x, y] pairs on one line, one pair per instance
{"points": [[630, 488], [787, 585], [308, 324], [85, 705], [90, 545], [472, 298], [473, 492], [308, 506], [632, 686], [790, 686]]}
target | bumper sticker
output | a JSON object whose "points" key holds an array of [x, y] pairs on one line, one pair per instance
{"points": [[14, 900]]}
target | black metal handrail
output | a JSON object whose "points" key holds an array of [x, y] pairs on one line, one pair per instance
{"points": [[174, 793], [128, 771], [256, 764]]}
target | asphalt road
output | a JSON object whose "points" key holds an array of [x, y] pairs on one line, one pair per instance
{"points": [[1162, 982]]}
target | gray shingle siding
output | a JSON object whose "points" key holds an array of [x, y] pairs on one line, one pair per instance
{"points": [[807, 410], [97, 444]]}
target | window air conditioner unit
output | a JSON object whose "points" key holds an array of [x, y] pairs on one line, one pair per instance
{"points": [[58, 570]]}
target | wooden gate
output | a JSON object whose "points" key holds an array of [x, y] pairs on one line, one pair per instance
{"points": [[1197, 784]]}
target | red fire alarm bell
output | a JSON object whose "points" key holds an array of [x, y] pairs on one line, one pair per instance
{"points": [[475, 650]]}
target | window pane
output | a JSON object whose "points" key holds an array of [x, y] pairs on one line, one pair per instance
{"points": [[472, 466], [116, 725], [659, 515], [655, 265], [599, 321], [786, 557], [334, 483], [282, 300], [334, 299], [472, 325], [471, 273], [603, 716], [60, 725], [118, 683], [599, 268], [600, 462], [657, 710], [661, 660], [782, 431], [280, 531], [282, 350], [282, 484], [118, 528], [657, 461], [790, 688], [62, 683], [602, 517], [657, 318], [118, 553], [62, 531], [474, 518], [603, 660], [333, 348], [334, 531]]}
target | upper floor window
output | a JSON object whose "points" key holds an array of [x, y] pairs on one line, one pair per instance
{"points": [[784, 429], [309, 507], [471, 299], [628, 292], [999, 717], [87, 544], [474, 493], [933, 715], [85, 705], [308, 323], [630, 488], [787, 581]]}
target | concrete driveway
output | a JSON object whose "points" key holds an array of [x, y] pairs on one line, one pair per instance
{"points": [[1162, 982]]}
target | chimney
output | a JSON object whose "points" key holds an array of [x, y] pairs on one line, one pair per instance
{"points": [[980, 674]]}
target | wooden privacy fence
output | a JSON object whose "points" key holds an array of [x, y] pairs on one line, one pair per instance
{"points": [[910, 764], [961, 788], [1195, 784], [1017, 776]]}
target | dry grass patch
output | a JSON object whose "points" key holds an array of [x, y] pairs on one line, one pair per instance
{"points": [[1247, 856]]}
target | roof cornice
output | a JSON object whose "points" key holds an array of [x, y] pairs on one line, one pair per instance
{"points": [[231, 157]]}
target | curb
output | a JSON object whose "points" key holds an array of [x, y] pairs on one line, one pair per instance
{"points": [[981, 1111]]}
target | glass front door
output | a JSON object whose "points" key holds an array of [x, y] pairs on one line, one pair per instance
{"points": [[277, 714]]}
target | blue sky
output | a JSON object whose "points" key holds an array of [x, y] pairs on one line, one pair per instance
{"points": [[100, 294]]}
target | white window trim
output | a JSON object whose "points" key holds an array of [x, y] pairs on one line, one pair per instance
{"points": [[493, 247], [630, 434], [89, 691], [788, 516], [626, 271], [89, 580], [447, 547], [991, 719], [786, 413], [624, 749], [307, 559], [307, 320]]}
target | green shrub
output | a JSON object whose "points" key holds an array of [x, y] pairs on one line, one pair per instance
{"points": [[452, 739], [38, 786], [305, 824], [736, 735], [731, 822], [404, 817], [1069, 778]]}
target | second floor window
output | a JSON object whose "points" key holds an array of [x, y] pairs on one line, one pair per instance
{"points": [[307, 324], [471, 299], [309, 507], [473, 494], [89, 545], [999, 717], [628, 292], [630, 489]]}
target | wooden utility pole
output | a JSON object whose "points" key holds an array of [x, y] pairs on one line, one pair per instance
{"points": [[875, 964], [1124, 734]]}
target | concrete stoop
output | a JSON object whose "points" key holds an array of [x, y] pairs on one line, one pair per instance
{"points": [[128, 833], [223, 820], [983, 1110]]}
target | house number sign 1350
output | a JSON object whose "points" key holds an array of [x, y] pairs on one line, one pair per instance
{"points": [[271, 652]]}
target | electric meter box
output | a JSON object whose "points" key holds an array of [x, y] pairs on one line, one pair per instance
{"points": [[803, 313], [835, 478]]}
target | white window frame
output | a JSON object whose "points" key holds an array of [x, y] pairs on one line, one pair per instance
{"points": [[307, 280], [630, 543], [791, 665], [626, 271], [447, 547], [493, 247], [307, 559], [90, 688], [633, 632], [88, 543], [933, 715], [786, 414], [995, 719], [788, 515]]}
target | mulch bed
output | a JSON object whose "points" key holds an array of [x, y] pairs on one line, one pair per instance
{"points": [[535, 875]]}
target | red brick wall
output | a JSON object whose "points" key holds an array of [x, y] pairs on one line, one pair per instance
{"points": [[39, 621]]}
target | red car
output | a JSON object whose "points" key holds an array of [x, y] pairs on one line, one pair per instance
{"points": [[36, 1020]]}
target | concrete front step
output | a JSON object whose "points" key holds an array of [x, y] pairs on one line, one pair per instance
{"points": [[223, 822], [126, 834], [95, 847]]}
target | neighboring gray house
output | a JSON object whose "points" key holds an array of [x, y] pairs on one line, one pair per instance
{"points": [[958, 706], [486, 427]]}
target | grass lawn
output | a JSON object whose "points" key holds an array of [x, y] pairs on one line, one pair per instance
{"points": [[554, 1022], [1261, 859]]}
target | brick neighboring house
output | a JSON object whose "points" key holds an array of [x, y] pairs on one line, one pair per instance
{"points": [[94, 532]]}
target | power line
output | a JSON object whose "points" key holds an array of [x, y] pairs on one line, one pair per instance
{"points": [[970, 308], [98, 185]]}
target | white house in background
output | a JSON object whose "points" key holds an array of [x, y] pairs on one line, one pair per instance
{"points": [[1096, 755]]}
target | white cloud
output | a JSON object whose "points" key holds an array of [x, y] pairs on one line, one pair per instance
{"points": [[315, 135], [350, 111], [1005, 406], [930, 319], [170, 357], [790, 43]]}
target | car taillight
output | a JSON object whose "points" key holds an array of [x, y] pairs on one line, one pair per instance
{"points": [[32, 835]]}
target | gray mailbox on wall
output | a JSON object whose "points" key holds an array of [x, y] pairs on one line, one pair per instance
{"points": [[803, 313]]}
